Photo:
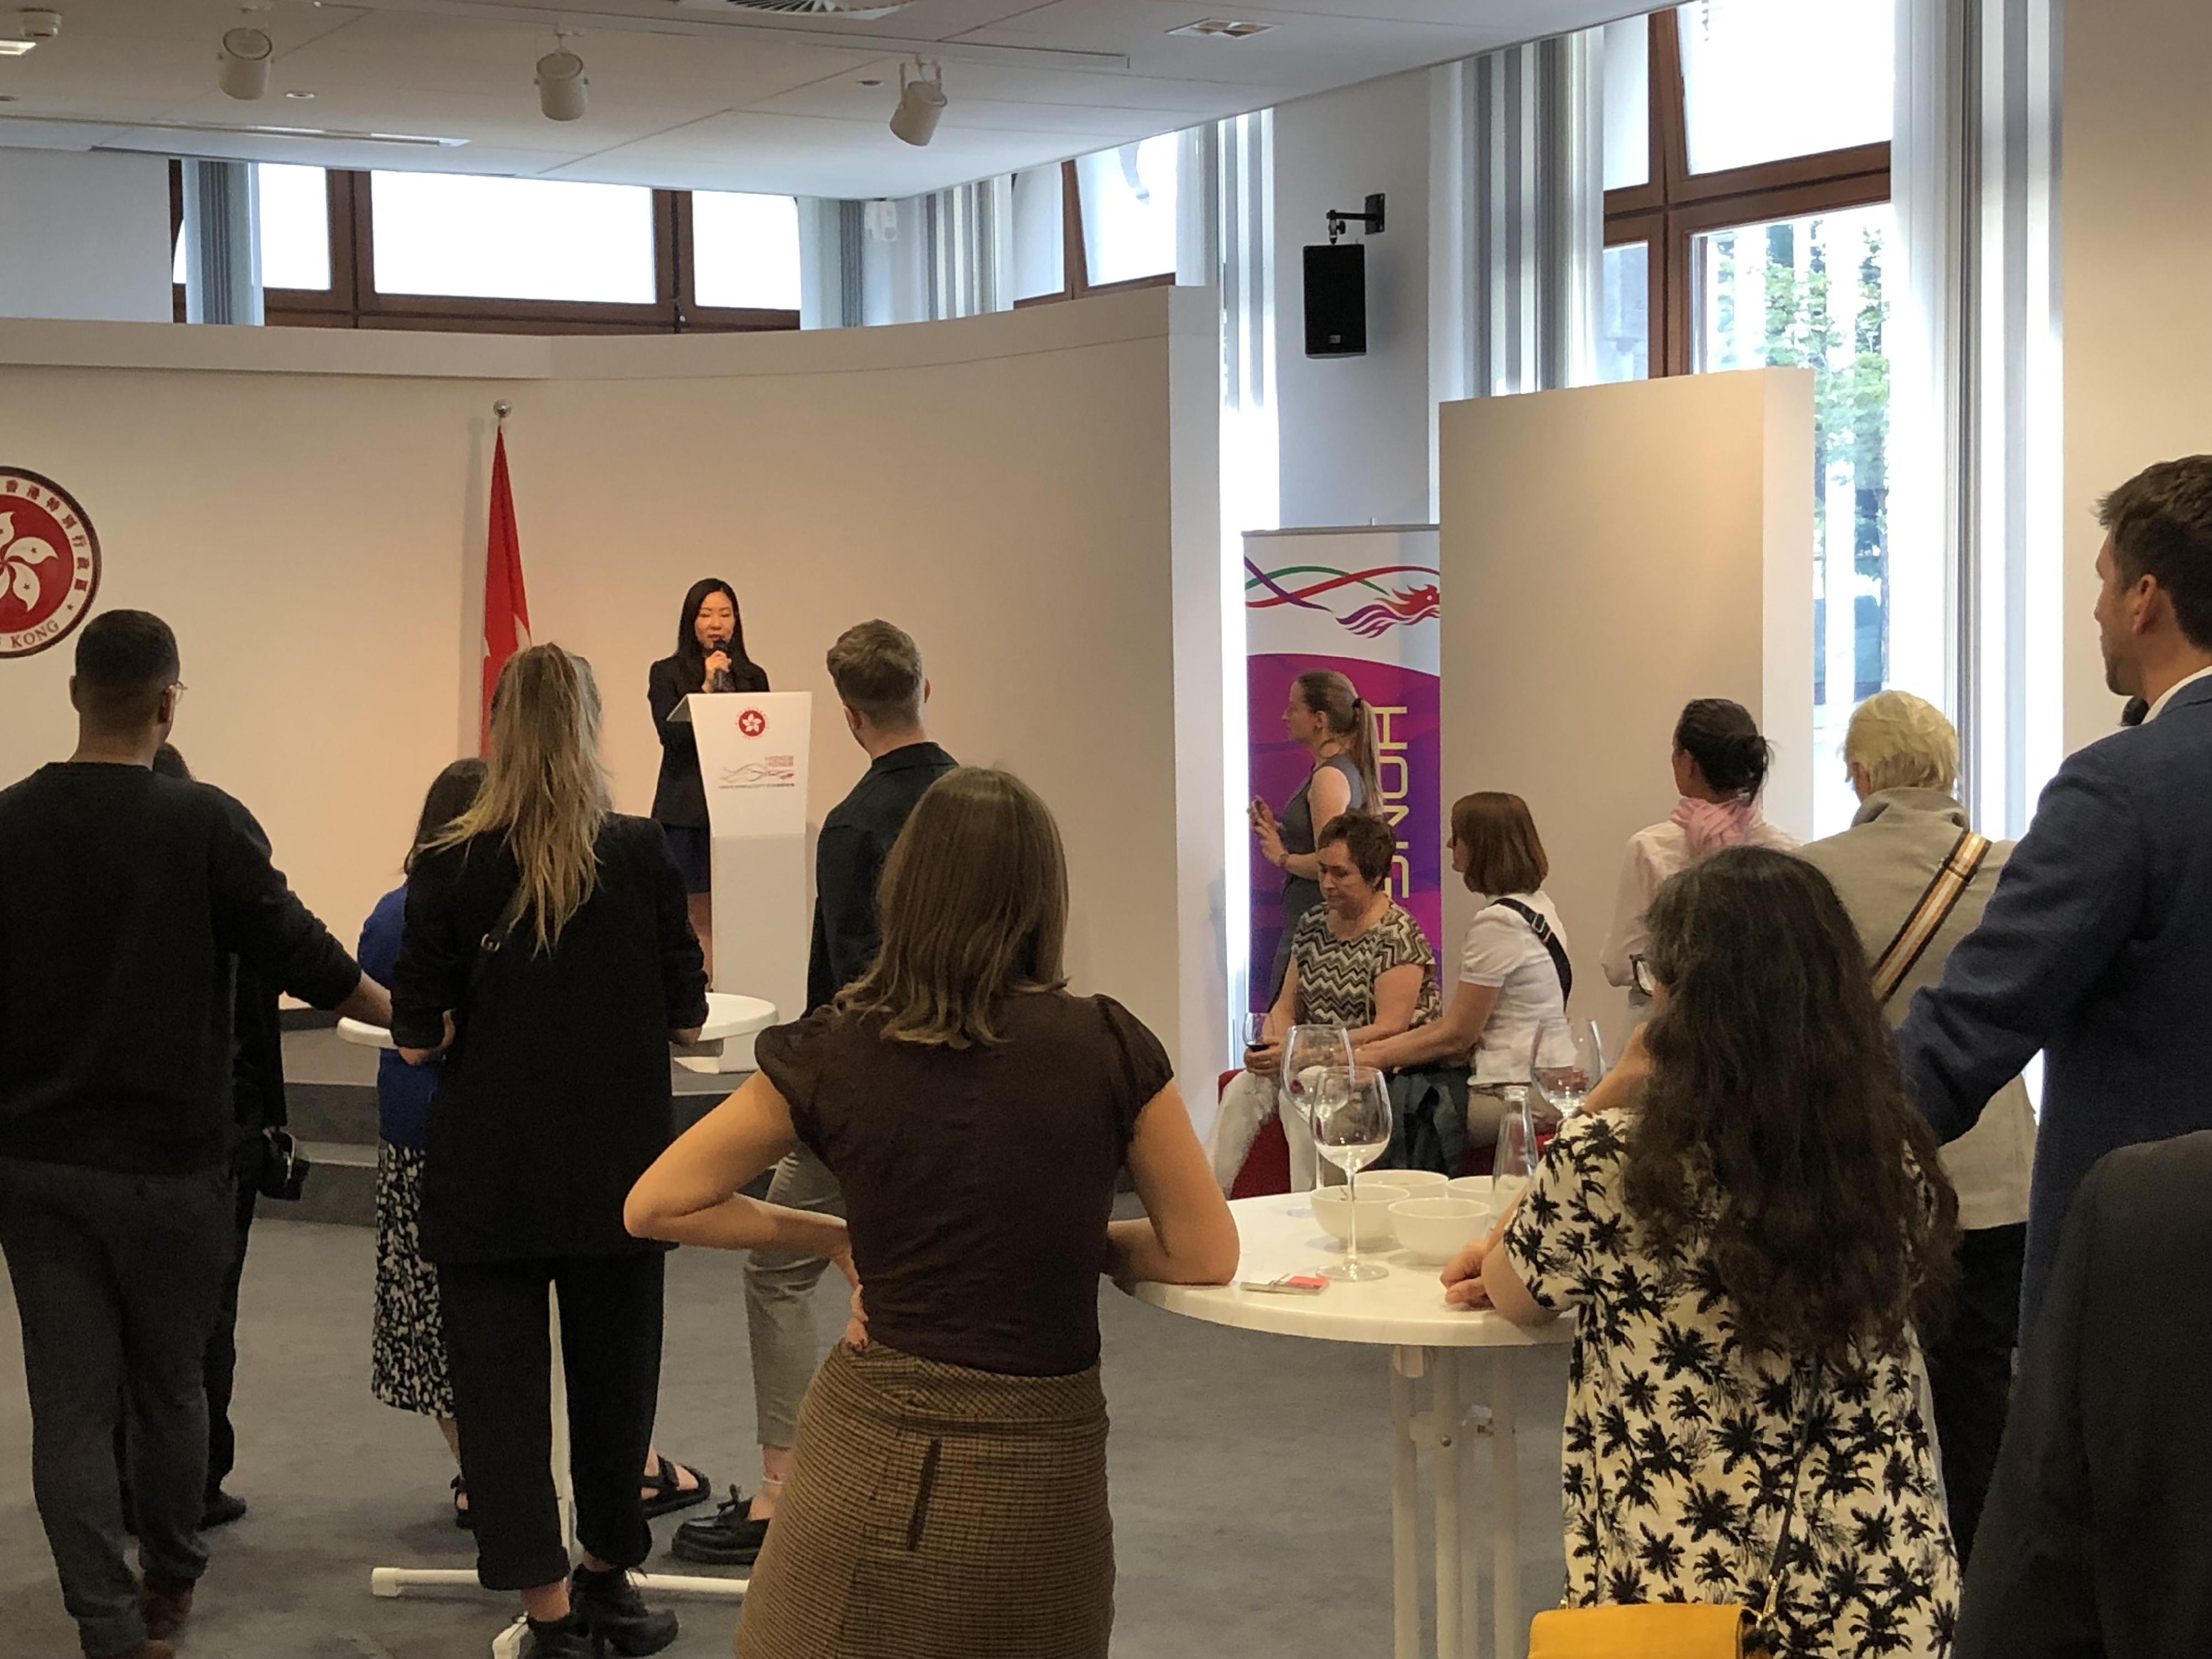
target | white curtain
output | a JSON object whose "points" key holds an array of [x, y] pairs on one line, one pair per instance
{"points": [[1976, 468]]}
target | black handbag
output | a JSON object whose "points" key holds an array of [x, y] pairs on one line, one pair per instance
{"points": [[284, 1167]]}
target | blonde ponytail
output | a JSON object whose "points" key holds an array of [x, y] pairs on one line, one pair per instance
{"points": [[1334, 697]]}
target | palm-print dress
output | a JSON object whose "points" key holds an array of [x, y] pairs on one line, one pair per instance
{"points": [[1680, 1446]]}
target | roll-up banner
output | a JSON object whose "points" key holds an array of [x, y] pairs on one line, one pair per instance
{"points": [[1363, 602]]}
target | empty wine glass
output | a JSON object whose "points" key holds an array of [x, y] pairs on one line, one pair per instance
{"points": [[1513, 1161], [1307, 1052], [1566, 1061], [1350, 1122]]}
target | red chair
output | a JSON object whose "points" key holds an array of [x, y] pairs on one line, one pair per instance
{"points": [[1267, 1165]]}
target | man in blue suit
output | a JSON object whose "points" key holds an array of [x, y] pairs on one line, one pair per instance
{"points": [[2096, 947]]}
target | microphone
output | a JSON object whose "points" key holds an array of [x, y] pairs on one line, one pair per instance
{"points": [[722, 680]]}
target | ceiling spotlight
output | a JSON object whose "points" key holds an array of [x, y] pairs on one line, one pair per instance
{"points": [[301, 94], [560, 84], [920, 104], [244, 64]]}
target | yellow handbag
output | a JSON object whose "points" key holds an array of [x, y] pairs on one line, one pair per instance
{"points": [[1648, 1630]]}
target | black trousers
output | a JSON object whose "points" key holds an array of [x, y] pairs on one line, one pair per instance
{"points": [[1970, 1370], [221, 1366], [116, 1277], [498, 1343]]}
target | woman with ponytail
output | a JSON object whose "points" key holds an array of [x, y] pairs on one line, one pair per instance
{"points": [[1719, 767], [1328, 718], [546, 954]]}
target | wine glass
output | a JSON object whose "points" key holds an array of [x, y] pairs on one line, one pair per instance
{"points": [[1566, 1061], [1350, 1127], [1513, 1161], [1307, 1052], [1253, 1028]]}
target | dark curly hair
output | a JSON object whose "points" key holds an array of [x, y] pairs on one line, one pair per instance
{"points": [[1776, 1134]]}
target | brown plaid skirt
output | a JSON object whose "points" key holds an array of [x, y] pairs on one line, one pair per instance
{"points": [[938, 1513]]}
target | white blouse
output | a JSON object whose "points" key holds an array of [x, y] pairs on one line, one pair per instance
{"points": [[1656, 852], [1501, 950]]}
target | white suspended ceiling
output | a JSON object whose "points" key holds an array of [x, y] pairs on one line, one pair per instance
{"points": [[707, 94]]}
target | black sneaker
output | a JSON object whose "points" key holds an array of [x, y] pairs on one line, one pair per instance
{"points": [[558, 1638], [220, 1509], [611, 1608], [728, 1537]]}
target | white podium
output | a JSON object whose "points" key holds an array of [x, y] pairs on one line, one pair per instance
{"points": [[752, 760]]}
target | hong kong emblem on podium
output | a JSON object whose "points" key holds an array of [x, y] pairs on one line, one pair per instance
{"points": [[752, 722], [49, 562]]}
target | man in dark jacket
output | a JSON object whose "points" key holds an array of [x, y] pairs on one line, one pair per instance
{"points": [[2096, 1540], [125, 898], [877, 669], [2096, 947]]}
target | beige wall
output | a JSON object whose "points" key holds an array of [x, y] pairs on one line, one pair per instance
{"points": [[1610, 553], [2137, 245], [1002, 487]]}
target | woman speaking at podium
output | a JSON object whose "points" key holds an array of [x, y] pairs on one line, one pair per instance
{"points": [[710, 656]]}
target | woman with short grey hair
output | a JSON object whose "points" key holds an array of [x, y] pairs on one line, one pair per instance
{"points": [[1914, 878]]}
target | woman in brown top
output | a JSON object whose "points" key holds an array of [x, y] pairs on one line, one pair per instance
{"points": [[949, 1501]]}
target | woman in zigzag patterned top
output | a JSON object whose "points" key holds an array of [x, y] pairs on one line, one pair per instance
{"points": [[1357, 960]]}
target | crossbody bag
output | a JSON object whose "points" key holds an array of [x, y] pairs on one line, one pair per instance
{"points": [[1681, 1629], [1550, 941], [1944, 890]]}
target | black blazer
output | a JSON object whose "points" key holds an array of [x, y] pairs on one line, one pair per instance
{"points": [[554, 1095], [2096, 1542], [680, 798]]}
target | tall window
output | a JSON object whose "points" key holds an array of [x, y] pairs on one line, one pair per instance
{"points": [[746, 251], [1748, 223], [1117, 214], [295, 232]]}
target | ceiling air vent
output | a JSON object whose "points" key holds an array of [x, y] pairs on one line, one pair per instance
{"points": [[1223, 28], [860, 9]]}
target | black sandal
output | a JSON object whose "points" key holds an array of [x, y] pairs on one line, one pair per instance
{"points": [[670, 1494], [464, 1518]]}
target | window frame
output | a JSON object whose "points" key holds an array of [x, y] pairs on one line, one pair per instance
{"points": [[1075, 261], [352, 301], [1676, 205]]}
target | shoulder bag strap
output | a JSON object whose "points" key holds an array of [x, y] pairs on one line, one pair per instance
{"points": [[1944, 890], [1763, 1633], [1550, 940]]}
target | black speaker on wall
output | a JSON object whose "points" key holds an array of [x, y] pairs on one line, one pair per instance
{"points": [[1336, 300]]}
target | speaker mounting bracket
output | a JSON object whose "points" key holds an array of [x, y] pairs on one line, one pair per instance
{"points": [[1370, 221]]}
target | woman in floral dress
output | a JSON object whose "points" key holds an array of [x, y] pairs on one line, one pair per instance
{"points": [[1746, 1226]]}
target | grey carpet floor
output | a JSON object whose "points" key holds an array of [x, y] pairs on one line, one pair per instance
{"points": [[1250, 1479]]}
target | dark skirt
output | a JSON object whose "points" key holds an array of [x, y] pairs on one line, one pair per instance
{"points": [[694, 853], [938, 1513]]}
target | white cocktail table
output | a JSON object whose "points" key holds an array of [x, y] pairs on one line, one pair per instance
{"points": [[727, 1016], [1406, 1313]]}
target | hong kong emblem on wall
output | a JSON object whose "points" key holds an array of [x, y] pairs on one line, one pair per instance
{"points": [[49, 562]]}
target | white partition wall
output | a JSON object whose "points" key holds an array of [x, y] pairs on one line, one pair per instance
{"points": [[1030, 493], [1609, 553]]}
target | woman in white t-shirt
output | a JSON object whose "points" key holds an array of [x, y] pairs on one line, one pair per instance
{"points": [[1509, 980]]}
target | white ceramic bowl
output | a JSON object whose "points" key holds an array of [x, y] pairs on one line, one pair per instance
{"points": [[1434, 1228], [1333, 1211], [1474, 1189], [1418, 1183]]}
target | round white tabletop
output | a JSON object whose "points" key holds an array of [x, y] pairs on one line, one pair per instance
{"points": [[727, 1016], [1406, 1310]]}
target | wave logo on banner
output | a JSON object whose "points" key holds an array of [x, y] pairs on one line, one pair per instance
{"points": [[1390, 607], [1365, 603]]}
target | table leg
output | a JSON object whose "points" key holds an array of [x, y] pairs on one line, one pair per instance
{"points": [[1405, 1565], [1506, 1507], [1446, 1410]]}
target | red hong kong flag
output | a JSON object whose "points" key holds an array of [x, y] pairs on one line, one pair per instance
{"points": [[507, 608]]}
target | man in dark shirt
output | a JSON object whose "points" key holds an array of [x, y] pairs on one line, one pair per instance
{"points": [[877, 669], [125, 897]]}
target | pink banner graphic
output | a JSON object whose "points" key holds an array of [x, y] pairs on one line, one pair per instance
{"points": [[1365, 603]]}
